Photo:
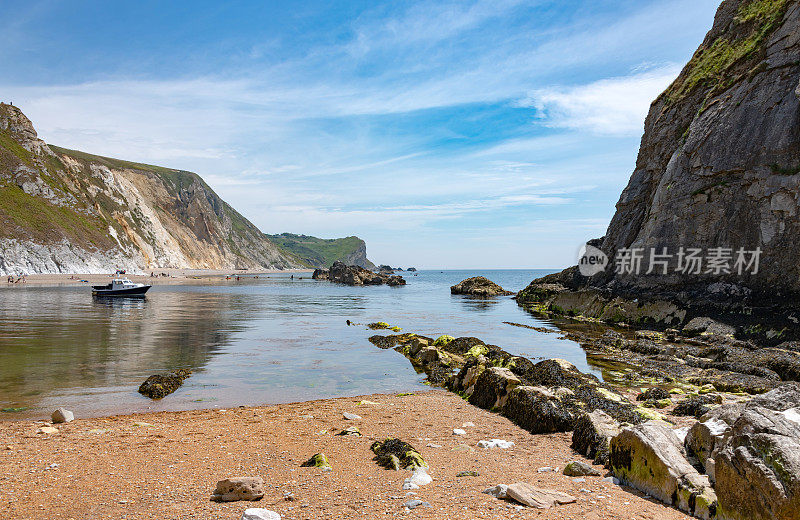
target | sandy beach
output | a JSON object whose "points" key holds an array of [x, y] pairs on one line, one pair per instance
{"points": [[161, 276], [166, 465]]}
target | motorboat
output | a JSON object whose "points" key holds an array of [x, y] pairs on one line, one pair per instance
{"points": [[121, 287]]}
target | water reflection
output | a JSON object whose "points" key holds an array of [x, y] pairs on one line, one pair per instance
{"points": [[248, 341], [59, 339]]}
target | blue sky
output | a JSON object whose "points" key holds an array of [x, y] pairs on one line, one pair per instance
{"points": [[481, 134]]}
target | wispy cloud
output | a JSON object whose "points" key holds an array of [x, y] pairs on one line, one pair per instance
{"points": [[608, 106]]}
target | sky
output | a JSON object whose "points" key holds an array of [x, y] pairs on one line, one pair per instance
{"points": [[475, 134]]}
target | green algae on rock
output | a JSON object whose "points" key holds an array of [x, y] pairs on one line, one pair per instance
{"points": [[396, 454], [318, 460], [159, 386]]}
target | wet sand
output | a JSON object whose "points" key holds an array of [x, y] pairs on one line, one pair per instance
{"points": [[166, 465]]}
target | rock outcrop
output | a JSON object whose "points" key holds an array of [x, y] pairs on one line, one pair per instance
{"points": [[757, 468], [478, 286], [649, 457], [355, 275], [718, 167]]}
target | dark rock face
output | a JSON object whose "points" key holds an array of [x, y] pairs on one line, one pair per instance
{"points": [[355, 275], [160, 386], [478, 286], [653, 394]]}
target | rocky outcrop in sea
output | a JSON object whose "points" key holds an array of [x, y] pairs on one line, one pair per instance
{"points": [[356, 275]]}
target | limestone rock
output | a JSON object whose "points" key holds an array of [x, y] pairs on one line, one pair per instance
{"points": [[577, 468], [758, 468], [47, 430], [478, 286], [592, 435], [259, 514], [649, 457], [498, 491], [62, 415], [530, 496], [239, 488], [351, 416]]}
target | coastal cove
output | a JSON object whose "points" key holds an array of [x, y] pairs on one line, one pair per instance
{"points": [[266, 340]]}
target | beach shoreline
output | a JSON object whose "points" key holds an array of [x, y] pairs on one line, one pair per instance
{"points": [[94, 465], [161, 276]]}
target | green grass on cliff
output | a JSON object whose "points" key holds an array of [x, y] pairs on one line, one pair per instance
{"points": [[30, 217], [317, 252], [754, 22]]}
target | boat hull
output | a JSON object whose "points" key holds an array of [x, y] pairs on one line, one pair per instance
{"points": [[133, 292]]}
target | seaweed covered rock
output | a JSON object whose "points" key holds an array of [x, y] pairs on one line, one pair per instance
{"points": [[161, 385], [697, 406], [318, 460], [757, 469], [478, 286], [396, 454], [653, 394], [492, 388], [649, 457], [384, 342], [538, 410], [592, 435]]}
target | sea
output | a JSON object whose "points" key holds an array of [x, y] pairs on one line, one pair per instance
{"points": [[257, 340]]}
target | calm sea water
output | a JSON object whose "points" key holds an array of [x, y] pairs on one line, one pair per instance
{"points": [[252, 341]]}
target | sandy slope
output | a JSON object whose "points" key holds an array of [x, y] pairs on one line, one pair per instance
{"points": [[113, 468]]}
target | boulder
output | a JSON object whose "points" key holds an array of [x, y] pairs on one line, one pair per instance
{"points": [[577, 468], [161, 385], [478, 286], [697, 406], [538, 410], [706, 325], [530, 496], [239, 488], [707, 435], [592, 435], [757, 469], [62, 415], [493, 387], [649, 457]]}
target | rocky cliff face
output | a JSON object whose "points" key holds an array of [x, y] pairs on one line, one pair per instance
{"points": [[719, 162], [67, 211], [719, 165]]}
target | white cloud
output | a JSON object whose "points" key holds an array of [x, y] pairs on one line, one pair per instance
{"points": [[615, 106]]}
